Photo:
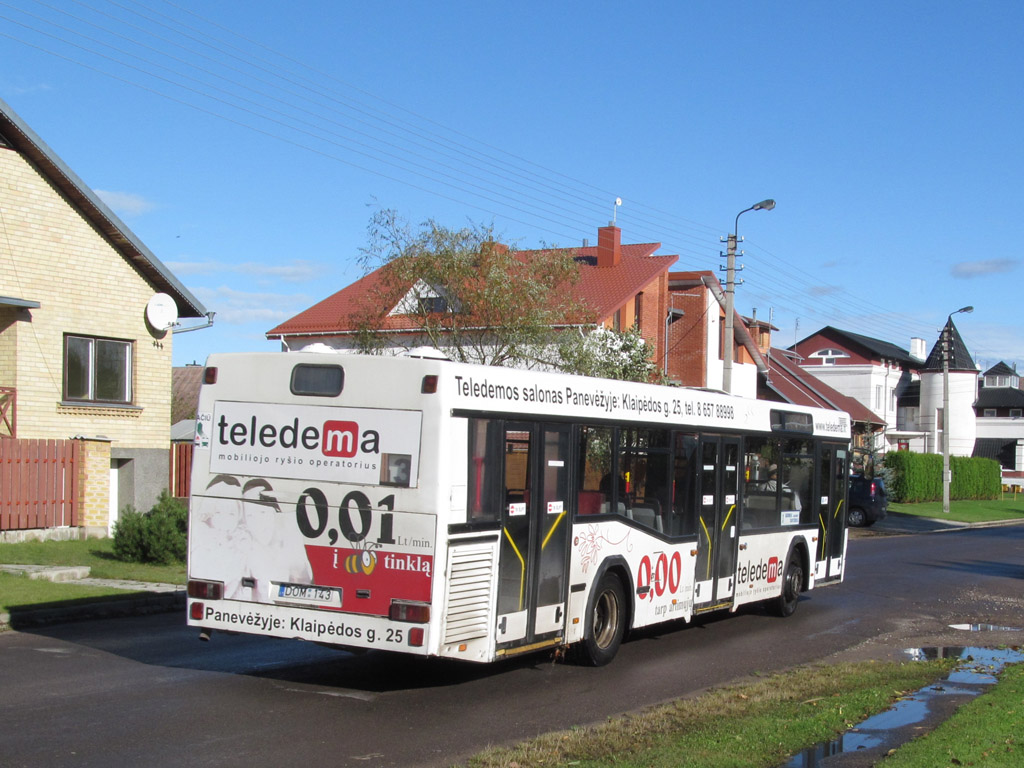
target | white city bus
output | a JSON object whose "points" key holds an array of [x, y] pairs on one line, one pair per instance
{"points": [[435, 508]]}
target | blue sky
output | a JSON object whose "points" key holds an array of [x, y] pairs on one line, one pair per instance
{"points": [[248, 146]]}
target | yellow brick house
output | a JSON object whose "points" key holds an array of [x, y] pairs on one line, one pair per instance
{"points": [[85, 351]]}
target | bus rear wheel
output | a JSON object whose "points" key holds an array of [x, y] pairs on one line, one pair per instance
{"points": [[792, 582], [606, 622]]}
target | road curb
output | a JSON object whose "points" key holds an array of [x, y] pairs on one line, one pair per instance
{"points": [[136, 605]]}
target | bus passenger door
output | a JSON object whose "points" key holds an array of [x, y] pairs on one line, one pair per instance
{"points": [[534, 539], [717, 524], [828, 565]]}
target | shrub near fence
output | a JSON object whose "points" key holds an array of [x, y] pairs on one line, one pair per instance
{"points": [[917, 477]]}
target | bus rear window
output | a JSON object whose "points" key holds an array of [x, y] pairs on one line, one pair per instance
{"points": [[318, 380]]}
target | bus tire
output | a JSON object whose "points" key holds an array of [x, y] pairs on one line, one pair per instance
{"points": [[605, 625], [792, 583]]}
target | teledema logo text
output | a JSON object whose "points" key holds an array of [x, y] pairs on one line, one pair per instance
{"points": [[341, 439]]}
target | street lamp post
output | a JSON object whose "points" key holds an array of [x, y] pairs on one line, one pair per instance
{"points": [[730, 290], [946, 421]]}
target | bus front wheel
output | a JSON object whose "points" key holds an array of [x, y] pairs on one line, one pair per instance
{"points": [[792, 582], [606, 622]]}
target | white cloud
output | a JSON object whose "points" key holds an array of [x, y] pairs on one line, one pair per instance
{"points": [[22, 90], [969, 269], [295, 271], [125, 203], [236, 307]]}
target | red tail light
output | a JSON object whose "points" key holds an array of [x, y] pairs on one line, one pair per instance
{"points": [[872, 489], [210, 375], [416, 613], [205, 590], [416, 637], [196, 611]]}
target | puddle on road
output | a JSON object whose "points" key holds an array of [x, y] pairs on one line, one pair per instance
{"points": [[972, 677]]}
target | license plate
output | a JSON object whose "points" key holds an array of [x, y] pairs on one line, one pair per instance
{"points": [[295, 593]]}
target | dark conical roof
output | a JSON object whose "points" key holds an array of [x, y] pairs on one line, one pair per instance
{"points": [[959, 356]]}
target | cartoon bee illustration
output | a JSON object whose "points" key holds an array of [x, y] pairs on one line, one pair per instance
{"points": [[361, 562]]}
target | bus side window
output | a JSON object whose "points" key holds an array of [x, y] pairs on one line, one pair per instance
{"points": [[644, 465], [485, 451], [595, 490], [797, 479], [761, 488], [684, 512]]}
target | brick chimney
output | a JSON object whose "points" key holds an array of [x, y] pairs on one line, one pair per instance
{"points": [[609, 246]]}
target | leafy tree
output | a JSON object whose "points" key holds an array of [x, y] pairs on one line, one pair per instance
{"points": [[609, 354], [461, 291]]}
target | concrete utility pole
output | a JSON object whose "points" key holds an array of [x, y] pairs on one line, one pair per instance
{"points": [[946, 421], [730, 290]]}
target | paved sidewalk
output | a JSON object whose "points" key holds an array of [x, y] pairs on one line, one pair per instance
{"points": [[896, 523]]}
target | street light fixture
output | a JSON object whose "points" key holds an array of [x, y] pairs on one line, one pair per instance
{"points": [[946, 421], [730, 290]]}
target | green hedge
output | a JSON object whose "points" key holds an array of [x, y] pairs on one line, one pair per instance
{"points": [[917, 477]]}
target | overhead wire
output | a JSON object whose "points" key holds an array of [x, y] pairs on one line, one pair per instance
{"points": [[539, 197]]}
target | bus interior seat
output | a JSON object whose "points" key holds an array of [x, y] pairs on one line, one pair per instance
{"points": [[647, 516], [606, 508], [589, 502]]}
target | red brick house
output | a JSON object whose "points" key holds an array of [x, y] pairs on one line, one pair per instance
{"points": [[621, 286]]}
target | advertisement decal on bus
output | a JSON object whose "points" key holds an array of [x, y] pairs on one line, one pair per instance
{"points": [[354, 445]]}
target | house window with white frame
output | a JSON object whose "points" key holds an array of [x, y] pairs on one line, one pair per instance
{"points": [[97, 370], [1015, 413], [828, 356]]}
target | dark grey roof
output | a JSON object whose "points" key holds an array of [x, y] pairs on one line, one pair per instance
{"points": [[876, 347], [959, 356], [1000, 369], [998, 448], [1000, 397], [15, 133]]}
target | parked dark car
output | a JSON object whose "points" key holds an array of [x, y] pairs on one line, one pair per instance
{"points": [[866, 501]]}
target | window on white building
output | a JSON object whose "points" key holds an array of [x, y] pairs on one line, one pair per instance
{"points": [[990, 412], [1015, 413], [828, 356]]}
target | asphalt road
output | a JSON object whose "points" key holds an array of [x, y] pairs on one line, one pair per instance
{"points": [[144, 690]]}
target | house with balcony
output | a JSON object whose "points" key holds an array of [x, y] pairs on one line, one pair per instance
{"points": [[905, 389], [86, 321], [999, 410]]}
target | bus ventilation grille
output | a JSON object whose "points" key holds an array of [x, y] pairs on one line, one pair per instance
{"points": [[469, 593]]}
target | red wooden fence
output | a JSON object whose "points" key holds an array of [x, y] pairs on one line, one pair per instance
{"points": [[180, 481], [38, 483]]}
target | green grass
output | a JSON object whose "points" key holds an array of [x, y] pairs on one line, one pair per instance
{"points": [[98, 554], [988, 731], [22, 592], [1012, 508], [759, 723]]}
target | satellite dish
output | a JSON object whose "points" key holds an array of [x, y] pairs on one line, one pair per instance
{"points": [[161, 312]]}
